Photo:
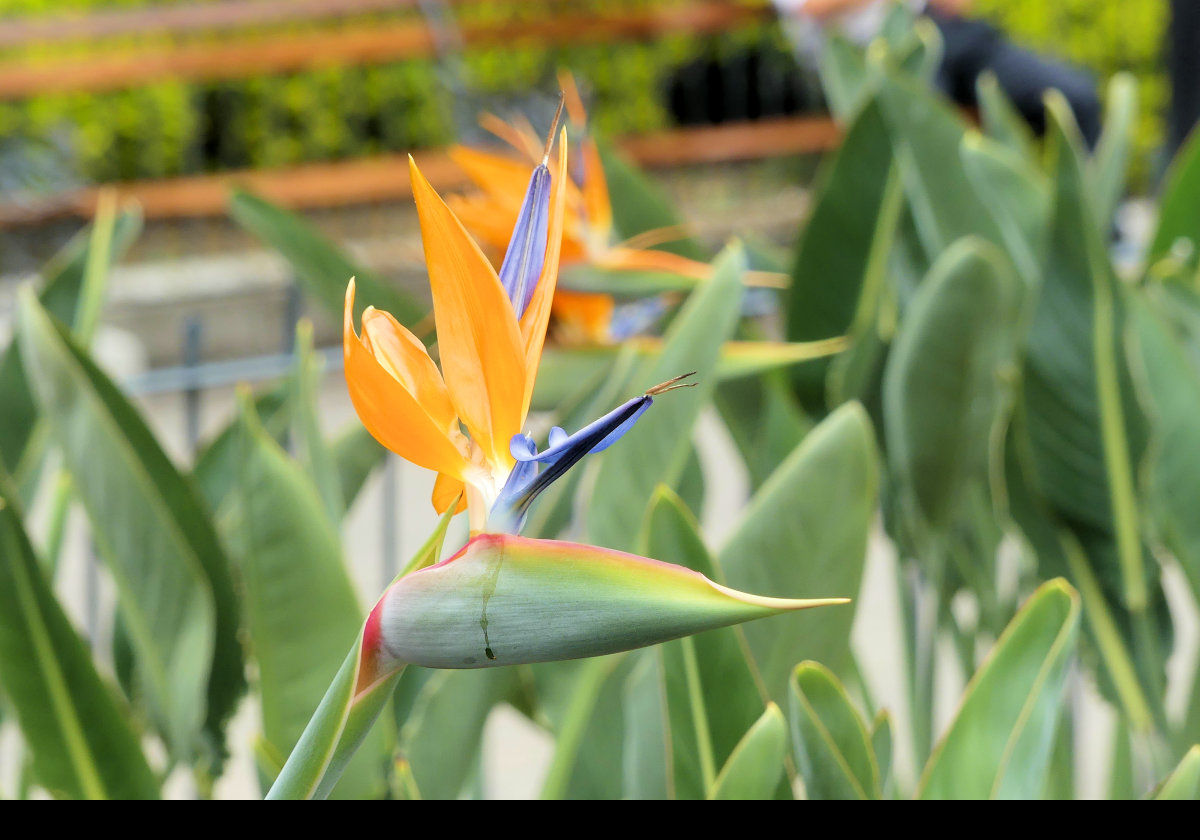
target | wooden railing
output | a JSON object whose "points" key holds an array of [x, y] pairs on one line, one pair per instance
{"points": [[266, 53], [239, 54]]}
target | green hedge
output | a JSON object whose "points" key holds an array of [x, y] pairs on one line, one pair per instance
{"points": [[1105, 36], [176, 128]]}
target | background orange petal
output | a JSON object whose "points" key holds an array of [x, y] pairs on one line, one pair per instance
{"points": [[596, 202], [391, 414]]}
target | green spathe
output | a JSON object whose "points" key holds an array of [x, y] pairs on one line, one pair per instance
{"points": [[507, 600]]}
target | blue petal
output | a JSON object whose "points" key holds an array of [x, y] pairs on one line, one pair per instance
{"points": [[635, 318], [526, 481], [522, 266]]}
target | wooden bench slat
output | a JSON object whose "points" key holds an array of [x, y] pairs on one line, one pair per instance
{"points": [[357, 44], [386, 178]]}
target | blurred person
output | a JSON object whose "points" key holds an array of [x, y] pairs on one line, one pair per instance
{"points": [[1183, 64], [970, 47]]}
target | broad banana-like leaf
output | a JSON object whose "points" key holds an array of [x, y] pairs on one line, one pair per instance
{"points": [[845, 76], [215, 469], [356, 455], [1002, 122], [881, 744], [999, 744], [1085, 429], [926, 133], [844, 243], [306, 437], [1110, 163], [1174, 250], [806, 529], [62, 284], [1169, 387], [765, 421], [343, 720], [707, 684], [584, 701], [656, 450], [442, 736], [1184, 781], [79, 735], [955, 350], [833, 750], [1017, 196], [290, 562], [174, 585], [508, 600], [322, 268], [646, 752], [755, 767]]}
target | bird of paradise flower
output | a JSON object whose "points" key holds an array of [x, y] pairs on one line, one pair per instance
{"points": [[502, 599]]}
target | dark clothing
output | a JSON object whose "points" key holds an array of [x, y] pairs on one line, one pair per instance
{"points": [[1183, 62], [972, 46]]}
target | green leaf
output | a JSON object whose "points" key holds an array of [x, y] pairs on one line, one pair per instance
{"points": [[656, 449], [926, 133], [1169, 386], [638, 205], [710, 690], [344, 718], [588, 726], [843, 248], [755, 767], [881, 745], [805, 531], [1017, 195], [80, 739], [339, 725], [1110, 163], [954, 351], [1085, 431], [356, 455], [442, 737], [62, 284], [1175, 248], [833, 750], [1001, 120], [307, 439], [764, 421], [1184, 781], [215, 469], [646, 753], [290, 563], [999, 744], [174, 586], [321, 267], [845, 76]]}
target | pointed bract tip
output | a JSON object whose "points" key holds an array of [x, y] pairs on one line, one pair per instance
{"points": [[671, 385], [558, 112]]}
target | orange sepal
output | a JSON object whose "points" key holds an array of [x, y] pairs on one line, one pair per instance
{"points": [[446, 490], [389, 411]]}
